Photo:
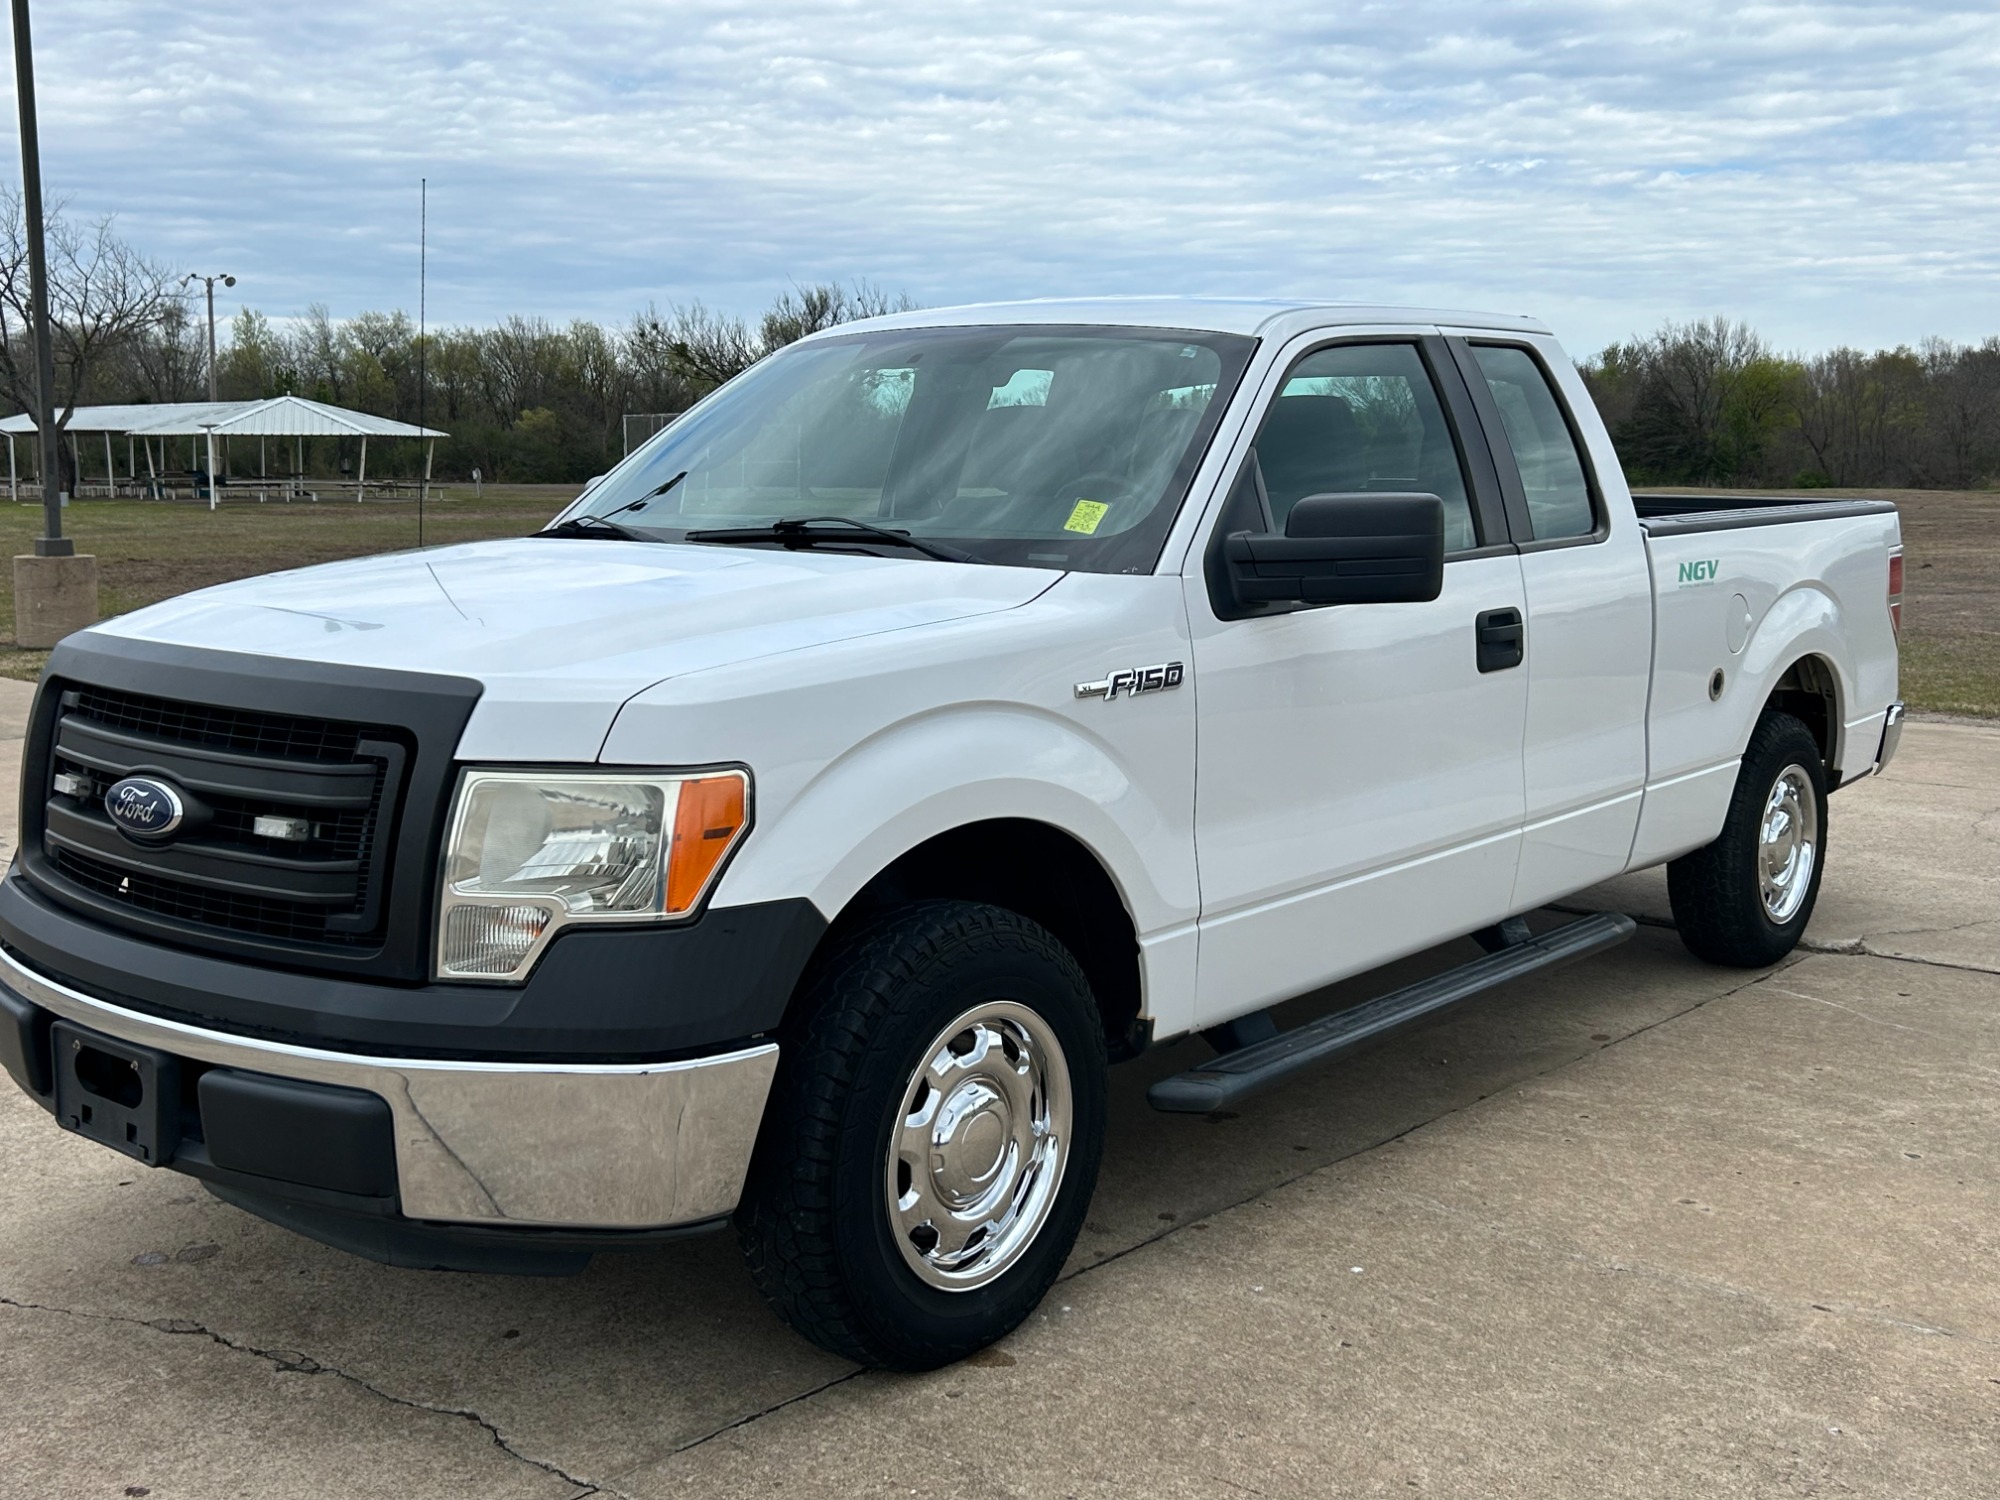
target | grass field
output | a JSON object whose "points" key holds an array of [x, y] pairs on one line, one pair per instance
{"points": [[147, 550]]}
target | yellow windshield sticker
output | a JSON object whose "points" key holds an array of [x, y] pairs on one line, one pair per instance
{"points": [[1086, 516]]}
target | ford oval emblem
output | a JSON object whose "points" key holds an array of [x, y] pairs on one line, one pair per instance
{"points": [[144, 808]]}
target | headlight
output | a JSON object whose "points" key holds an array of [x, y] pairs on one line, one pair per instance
{"points": [[530, 852]]}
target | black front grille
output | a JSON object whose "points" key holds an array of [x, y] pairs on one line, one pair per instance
{"points": [[243, 731], [325, 781], [182, 902]]}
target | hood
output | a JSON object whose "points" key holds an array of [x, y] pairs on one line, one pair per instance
{"points": [[561, 632]]}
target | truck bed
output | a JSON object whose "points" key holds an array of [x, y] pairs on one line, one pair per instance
{"points": [[1678, 515]]}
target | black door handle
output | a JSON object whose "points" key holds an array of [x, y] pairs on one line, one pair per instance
{"points": [[1502, 639]]}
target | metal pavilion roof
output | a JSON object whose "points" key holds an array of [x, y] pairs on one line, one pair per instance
{"points": [[123, 419], [280, 416], [277, 416]]}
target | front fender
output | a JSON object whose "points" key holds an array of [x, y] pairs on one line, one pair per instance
{"points": [[927, 775]]}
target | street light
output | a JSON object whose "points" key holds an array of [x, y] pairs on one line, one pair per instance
{"points": [[209, 282]]}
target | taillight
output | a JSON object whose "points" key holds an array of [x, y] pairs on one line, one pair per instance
{"points": [[1896, 590]]}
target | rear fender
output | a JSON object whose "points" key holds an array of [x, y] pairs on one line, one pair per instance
{"points": [[1805, 621]]}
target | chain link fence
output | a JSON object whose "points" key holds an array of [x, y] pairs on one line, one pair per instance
{"points": [[640, 425]]}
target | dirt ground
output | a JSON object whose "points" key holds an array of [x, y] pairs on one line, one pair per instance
{"points": [[148, 550]]}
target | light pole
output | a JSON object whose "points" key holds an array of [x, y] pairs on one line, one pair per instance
{"points": [[209, 282], [53, 543], [55, 588]]}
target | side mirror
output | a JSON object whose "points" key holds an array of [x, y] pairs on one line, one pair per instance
{"points": [[1364, 548]]}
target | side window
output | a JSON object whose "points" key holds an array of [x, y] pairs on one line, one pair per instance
{"points": [[1552, 473], [1362, 417]]}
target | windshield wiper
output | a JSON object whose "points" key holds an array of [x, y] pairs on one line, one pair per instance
{"points": [[799, 531], [589, 524]]}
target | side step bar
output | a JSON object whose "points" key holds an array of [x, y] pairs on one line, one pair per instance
{"points": [[1222, 1081]]}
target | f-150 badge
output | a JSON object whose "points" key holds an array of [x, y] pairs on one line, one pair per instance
{"points": [[1133, 681]]}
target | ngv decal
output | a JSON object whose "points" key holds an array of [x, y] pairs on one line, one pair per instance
{"points": [[1699, 572], [1133, 681]]}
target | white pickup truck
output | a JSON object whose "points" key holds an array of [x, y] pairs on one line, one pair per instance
{"points": [[791, 832]]}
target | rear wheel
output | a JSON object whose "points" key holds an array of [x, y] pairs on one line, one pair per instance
{"points": [[933, 1137], [1746, 898]]}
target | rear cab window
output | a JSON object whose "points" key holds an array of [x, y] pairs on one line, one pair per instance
{"points": [[1554, 481]]}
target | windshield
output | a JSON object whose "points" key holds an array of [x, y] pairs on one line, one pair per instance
{"points": [[1066, 447]]}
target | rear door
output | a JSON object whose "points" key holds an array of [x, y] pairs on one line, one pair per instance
{"points": [[1590, 613], [1358, 776]]}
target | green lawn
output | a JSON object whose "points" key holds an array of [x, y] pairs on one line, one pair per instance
{"points": [[150, 550]]}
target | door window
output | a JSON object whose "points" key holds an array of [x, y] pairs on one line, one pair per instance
{"points": [[1362, 417], [1552, 472]]}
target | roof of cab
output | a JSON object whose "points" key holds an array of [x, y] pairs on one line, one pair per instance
{"points": [[1249, 315]]}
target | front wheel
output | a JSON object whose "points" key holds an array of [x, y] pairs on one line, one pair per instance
{"points": [[1746, 898], [933, 1137]]}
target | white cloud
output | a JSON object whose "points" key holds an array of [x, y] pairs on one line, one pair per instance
{"points": [[1830, 171]]}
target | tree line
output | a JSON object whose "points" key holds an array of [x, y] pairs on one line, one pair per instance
{"points": [[1709, 402], [1706, 402], [526, 400]]}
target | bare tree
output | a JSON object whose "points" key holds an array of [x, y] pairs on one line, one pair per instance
{"points": [[822, 305], [700, 347], [169, 361], [104, 295]]}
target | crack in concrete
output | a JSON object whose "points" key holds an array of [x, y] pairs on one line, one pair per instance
{"points": [[757, 1416], [1858, 947], [292, 1362], [1854, 947], [1889, 1025]]}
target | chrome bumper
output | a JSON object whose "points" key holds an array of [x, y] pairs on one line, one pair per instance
{"points": [[544, 1145], [1892, 734]]}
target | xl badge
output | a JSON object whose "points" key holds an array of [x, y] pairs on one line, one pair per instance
{"points": [[1133, 681], [144, 808]]}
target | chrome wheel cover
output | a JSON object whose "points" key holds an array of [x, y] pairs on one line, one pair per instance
{"points": [[977, 1150], [1788, 844]]}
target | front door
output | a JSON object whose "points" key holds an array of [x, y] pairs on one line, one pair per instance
{"points": [[1358, 775]]}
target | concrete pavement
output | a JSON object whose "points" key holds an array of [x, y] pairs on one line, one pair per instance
{"points": [[1640, 1227]]}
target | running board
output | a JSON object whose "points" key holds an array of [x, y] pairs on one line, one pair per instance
{"points": [[1233, 1076]]}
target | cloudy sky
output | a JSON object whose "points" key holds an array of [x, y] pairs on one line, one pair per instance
{"points": [[1830, 172]]}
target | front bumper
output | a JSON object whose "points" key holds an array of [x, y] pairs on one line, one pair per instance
{"points": [[500, 1145]]}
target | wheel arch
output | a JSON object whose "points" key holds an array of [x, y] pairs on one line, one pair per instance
{"points": [[1809, 690], [1040, 871], [1800, 656]]}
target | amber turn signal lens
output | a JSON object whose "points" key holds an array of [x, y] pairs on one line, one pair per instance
{"points": [[707, 822]]}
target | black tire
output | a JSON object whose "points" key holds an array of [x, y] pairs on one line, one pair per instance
{"points": [[1718, 892], [815, 1223]]}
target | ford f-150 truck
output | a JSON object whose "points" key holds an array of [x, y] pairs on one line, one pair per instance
{"points": [[791, 832]]}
